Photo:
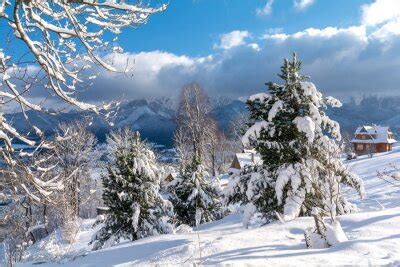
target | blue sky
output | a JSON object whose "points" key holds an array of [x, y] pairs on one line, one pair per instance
{"points": [[191, 27], [350, 48]]}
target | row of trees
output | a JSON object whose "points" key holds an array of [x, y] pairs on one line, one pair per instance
{"points": [[131, 177], [132, 180], [138, 207], [71, 162], [301, 174], [52, 186]]}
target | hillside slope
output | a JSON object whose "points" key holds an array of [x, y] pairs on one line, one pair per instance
{"points": [[374, 236]]}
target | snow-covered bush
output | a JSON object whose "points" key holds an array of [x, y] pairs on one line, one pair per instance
{"points": [[296, 141], [131, 191], [325, 233], [196, 197]]}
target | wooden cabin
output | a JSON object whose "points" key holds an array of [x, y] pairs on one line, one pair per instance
{"points": [[247, 158], [372, 139], [170, 177]]}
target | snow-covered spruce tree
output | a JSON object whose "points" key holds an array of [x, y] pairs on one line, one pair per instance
{"points": [[196, 196], [293, 135], [131, 192]]}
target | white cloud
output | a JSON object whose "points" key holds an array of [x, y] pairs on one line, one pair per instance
{"points": [[266, 9], [383, 19], [151, 63], [255, 46], [388, 31], [151, 74], [325, 33], [349, 61], [232, 39], [302, 4], [380, 11], [341, 61]]}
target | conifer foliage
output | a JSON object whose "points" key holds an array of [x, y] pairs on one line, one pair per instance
{"points": [[295, 139], [131, 192], [196, 196]]}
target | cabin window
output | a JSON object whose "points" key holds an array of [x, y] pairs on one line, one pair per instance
{"points": [[359, 147]]}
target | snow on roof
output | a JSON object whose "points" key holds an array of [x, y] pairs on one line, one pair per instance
{"points": [[374, 129], [224, 179], [380, 134], [246, 159]]}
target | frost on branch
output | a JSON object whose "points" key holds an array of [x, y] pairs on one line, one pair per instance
{"points": [[62, 44], [66, 37]]}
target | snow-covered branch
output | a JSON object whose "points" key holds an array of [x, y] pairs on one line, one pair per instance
{"points": [[61, 41]]}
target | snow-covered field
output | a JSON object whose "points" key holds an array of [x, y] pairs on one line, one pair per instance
{"points": [[373, 233]]}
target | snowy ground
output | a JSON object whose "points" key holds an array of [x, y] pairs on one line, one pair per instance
{"points": [[374, 236]]}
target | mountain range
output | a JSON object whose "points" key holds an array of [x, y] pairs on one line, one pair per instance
{"points": [[155, 119]]}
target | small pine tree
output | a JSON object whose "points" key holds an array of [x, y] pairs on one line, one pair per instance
{"points": [[131, 192], [295, 138], [196, 196]]}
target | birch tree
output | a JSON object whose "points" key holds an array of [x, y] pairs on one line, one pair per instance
{"points": [[195, 126], [74, 157]]}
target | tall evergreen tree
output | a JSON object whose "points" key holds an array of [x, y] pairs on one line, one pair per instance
{"points": [[295, 139], [131, 192]]}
